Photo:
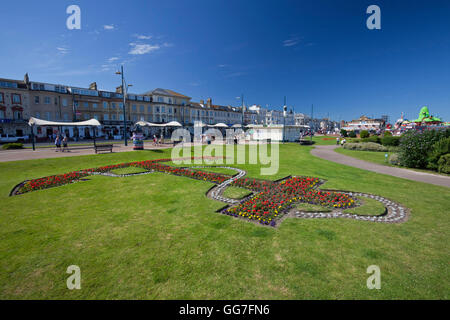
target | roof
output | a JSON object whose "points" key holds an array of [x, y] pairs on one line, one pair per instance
{"points": [[166, 92]]}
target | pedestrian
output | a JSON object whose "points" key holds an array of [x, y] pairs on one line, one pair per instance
{"points": [[155, 142], [65, 140], [337, 141], [57, 144]]}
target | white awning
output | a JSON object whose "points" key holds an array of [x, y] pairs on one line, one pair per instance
{"points": [[218, 125], [237, 125], [148, 124], [40, 122], [173, 124]]}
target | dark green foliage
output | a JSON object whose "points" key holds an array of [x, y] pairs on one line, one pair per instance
{"points": [[440, 148], [375, 139], [415, 147], [444, 163], [390, 141], [387, 134], [352, 134], [9, 146], [364, 134], [344, 133]]}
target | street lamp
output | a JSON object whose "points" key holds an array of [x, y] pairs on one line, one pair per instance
{"points": [[124, 93]]}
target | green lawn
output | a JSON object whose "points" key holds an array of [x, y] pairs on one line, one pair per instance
{"points": [[158, 236], [378, 157], [128, 170], [236, 193], [369, 207]]}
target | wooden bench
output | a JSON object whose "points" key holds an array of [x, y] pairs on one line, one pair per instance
{"points": [[103, 147]]}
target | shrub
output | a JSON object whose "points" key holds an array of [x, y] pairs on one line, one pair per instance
{"points": [[15, 145], [415, 146], [390, 141], [364, 134], [344, 133], [394, 159], [365, 146], [387, 134], [439, 149], [374, 139], [352, 134], [444, 163]]}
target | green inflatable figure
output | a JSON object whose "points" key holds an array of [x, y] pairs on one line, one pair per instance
{"points": [[425, 116]]}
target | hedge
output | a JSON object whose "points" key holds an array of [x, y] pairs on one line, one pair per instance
{"points": [[14, 145]]}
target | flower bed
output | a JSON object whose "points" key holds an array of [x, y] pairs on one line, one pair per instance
{"points": [[275, 199], [150, 165]]}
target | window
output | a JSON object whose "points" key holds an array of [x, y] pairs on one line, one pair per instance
{"points": [[141, 108], [149, 109], [48, 115], [170, 100], [94, 105], [170, 110], [142, 118], [121, 117], [160, 99], [36, 99], [121, 105], [15, 98], [163, 109], [135, 118], [2, 99], [66, 116], [2, 114], [105, 105], [96, 116], [47, 100], [64, 102], [113, 117], [86, 104], [157, 109], [56, 101], [105, 117], [38, 115], [134, 107]]}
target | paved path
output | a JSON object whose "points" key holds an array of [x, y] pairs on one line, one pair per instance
{"points": [[328, 153], [42, 153]]}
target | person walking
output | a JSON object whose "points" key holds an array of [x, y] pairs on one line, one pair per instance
{"points": [[57, 144], [337, 141], [155, 142], [65, 140]]}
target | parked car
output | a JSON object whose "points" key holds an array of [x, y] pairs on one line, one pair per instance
{"points": [[9, 138]]}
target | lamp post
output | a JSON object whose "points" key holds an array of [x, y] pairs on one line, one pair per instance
{"points": [[124, 93], [284, 119]]}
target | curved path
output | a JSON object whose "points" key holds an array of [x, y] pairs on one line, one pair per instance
{"points": [[328, 153], [217, 191]]}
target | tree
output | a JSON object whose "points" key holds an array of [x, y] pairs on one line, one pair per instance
{"points": [[364, 134], [344, 133]]}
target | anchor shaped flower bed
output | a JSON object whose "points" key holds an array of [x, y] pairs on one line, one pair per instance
{"points": [[269, 202]]}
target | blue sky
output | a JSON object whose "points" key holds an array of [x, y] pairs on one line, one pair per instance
{"points": [[314, 52]]}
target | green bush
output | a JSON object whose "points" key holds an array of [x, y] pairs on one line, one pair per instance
{"points": [[415, 146], [387, 134], [364, 134], [444, 163], [15, 145], [365, 146], [394, 159], [439, 149], [390, 141], [374, 139], [352, 134], [344, 133]]}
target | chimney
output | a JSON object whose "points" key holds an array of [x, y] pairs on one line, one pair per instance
{"points": [[119, 89], [208, 102], [93, 86], [26, 79]]}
